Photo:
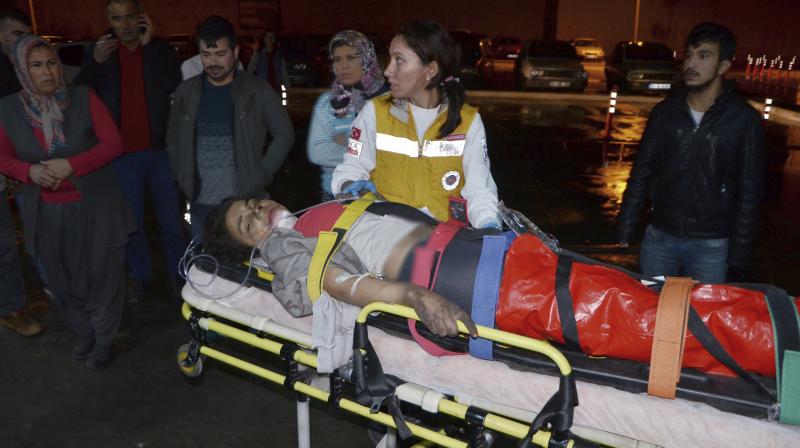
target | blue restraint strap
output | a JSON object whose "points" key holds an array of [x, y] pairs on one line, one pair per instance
{"points": [[486, 289]]}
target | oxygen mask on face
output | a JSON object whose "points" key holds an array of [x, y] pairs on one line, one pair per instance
{"points": [[284, 220]]}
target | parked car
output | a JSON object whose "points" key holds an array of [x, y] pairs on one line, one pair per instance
{"points": [[588, 48], [469, 46], [550, 65], [496, 64], [71, 55], [305, 57], [647, 67]]}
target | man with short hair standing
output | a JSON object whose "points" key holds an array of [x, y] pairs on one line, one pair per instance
{"points": [[219, 124], [13, 24], [701, 162], [134, 74]]}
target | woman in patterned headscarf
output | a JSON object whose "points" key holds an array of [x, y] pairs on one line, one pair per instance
{"points": [[358, 77], [58, 140]]}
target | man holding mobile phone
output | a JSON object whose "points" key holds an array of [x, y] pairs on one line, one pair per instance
{"points": [[134, 73]]}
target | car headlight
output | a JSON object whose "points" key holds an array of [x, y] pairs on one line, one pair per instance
{"points": [[299, 67], [537, 72], [635, 75], [582, 74]]}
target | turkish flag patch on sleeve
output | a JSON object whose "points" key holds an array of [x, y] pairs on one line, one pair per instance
{"points": [[355, 133]]}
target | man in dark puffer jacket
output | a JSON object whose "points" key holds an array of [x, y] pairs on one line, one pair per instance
{"points": [[701, 160]]}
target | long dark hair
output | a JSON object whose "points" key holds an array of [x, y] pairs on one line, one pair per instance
{"points": [[431, 42], [217, 239]]}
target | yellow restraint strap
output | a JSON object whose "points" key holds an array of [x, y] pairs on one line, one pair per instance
{"points": [[329, 242]]}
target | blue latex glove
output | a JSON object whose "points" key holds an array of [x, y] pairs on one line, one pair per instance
{"points": [[357, 186], [492, 225]]}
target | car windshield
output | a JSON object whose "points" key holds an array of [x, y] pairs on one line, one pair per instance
{"points": [[554, 50], [585, 43], [648, 52]]}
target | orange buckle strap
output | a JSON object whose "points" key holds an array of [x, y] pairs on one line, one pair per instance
{"points": [[669, 337]]}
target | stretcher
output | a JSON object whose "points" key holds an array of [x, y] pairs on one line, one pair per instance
{"points": [[532, 394]]}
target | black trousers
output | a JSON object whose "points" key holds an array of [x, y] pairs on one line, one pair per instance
{"points": [[12, 289], [85, 273]]}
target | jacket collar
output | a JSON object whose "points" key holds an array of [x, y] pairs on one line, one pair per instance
{"points": [[680, 99], [400, 108]]}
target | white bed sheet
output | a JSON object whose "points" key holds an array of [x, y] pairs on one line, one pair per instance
{"points": [[670, 423]]}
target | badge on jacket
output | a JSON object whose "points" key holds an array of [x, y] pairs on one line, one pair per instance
{"points": [[450, 180], [353, 147]]}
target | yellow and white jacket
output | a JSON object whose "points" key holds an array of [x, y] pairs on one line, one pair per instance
{"points": [[395, 144]]}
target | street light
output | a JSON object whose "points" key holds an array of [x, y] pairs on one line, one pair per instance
{"points": [[33, 17], [636, 22]]}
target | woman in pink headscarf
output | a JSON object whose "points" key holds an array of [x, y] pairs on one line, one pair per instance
{"points": [[58, 140]]}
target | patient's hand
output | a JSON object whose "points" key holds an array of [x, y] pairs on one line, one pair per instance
{"points": [[439, 314]]}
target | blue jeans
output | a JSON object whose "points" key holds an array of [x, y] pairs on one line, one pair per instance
{"points": [[704, 260], [150, 170]]}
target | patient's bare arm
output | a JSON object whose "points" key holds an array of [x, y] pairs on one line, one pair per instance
{"points": [[436, 312]]}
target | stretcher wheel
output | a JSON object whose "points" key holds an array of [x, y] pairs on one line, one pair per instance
{"points": [[190, 369]]}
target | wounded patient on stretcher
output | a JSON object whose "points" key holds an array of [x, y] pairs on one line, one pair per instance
{"points": [[614, 312]]}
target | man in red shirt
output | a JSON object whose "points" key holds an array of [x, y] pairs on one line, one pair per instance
{"points": [[135, 74]]}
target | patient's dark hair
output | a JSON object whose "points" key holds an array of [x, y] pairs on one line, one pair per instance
{"points": [[218, 241]]}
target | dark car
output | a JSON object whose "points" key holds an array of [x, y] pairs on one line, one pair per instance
{"points": [[550, 65], [647, 67], [303, 56], [469, 47]]}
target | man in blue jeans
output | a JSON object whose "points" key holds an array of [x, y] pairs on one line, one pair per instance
{"points": [[701, 162], [135, 74]]}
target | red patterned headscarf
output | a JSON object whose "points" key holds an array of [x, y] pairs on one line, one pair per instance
{"points": [[42, 111]]}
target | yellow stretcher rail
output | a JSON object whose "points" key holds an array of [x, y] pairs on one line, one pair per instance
{"points": [[446, 406], [500, 336]]}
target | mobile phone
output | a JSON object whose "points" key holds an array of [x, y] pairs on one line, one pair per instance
{"points": [[112, 33]]}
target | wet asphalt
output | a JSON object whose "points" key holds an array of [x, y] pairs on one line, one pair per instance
{"points": [[548, 162]]}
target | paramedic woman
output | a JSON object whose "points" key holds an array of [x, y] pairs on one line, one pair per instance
{"points": [[421, 144]]}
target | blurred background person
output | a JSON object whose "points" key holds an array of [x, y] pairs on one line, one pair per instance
{"points": [[269, 63], [358, 78], [13, 24]]}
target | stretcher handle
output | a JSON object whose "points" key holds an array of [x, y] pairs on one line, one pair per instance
{"points": [[502, 337]]}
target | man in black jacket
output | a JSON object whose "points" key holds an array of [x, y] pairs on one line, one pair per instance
{"points": [[700, 162], [135, 74]]}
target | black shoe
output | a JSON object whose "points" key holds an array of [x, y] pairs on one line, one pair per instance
{"points": [[81, 350], [99, 358], [135, 291], [97, 364]]}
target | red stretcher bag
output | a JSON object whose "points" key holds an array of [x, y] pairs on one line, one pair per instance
{"points": [[615, 314]]}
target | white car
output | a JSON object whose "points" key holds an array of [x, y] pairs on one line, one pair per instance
{"points": [[588, 48]]}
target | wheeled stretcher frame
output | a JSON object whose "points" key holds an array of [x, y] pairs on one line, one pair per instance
{"points": [[294, 347], [295, 351]]}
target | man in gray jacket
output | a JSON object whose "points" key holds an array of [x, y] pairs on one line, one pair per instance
{"points": [[219, 124]]}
